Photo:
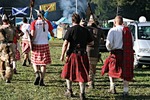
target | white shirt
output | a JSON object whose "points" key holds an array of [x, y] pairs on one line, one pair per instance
{"points": [[114, 38], [41, 36], [24, 28]]}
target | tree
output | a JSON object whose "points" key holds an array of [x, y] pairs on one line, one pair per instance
{"points": [[133, 9]]}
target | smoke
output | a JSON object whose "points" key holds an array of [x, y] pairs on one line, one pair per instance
{"points": [[69, 7]]}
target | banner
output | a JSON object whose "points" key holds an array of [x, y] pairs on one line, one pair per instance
{"points": [[20, 11], [48, 7], [1, 10]]}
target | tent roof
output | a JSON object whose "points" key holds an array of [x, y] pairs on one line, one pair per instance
{"points": [[63, 20], [124, 19]]}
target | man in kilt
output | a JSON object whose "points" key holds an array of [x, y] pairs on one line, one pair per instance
{"points": [[7, 49], [76, 68], [119, 64], [40, 54], [25, 43]]}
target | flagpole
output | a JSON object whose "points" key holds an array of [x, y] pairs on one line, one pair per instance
{"points": [[76, 6]]}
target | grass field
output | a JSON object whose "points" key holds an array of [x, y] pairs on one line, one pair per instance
{"points": [[22, 88]]}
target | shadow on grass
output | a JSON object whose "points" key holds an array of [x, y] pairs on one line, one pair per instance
{"points": [[130, 97], [57, 65]]}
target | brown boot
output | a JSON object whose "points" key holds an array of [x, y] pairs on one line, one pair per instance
{"points": [[69, 93], [82, 96]]}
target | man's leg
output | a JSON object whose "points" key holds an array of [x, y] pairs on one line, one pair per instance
{"points": [[42, 73], [69, 92], [82, 90], [125, 87], [37, 73], [112, 86], [92, 72]]}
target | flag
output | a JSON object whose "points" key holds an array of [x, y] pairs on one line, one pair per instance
{"points": [[50, 7], [1, 10], [20, 11]]}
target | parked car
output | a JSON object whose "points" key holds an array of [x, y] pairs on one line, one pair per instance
{"points": [[141, 34], [102, 47]]}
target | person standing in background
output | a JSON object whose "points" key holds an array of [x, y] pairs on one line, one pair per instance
{"points": [[76, 68], [25, 43], [40, 54]]}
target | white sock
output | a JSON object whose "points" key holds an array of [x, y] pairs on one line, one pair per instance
{"points": [[125, 89], [69, 84], [14, 64], [82, 87]]}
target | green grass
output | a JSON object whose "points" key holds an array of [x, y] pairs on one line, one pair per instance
{"points": [[22, 88]]}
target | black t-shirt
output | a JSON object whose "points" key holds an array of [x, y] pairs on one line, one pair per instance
{"points": [[78, 35]]}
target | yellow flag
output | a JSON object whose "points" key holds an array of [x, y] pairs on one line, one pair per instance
{"points": [[50, 7]]}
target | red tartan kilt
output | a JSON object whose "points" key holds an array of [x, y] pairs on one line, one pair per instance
{"points": [[116, 64], [17, 55], [25, 47], [40, 54], [77, 68]]}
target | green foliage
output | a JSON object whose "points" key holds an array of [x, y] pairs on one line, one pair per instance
{"points": [[133, 9], [22, 87]]}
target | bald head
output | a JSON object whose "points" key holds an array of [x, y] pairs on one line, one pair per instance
{"points": [[118, 20]]}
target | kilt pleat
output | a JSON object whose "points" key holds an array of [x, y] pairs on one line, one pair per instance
{"points": [[40, 54], [77, 68], [25, 47], [17, 55]]}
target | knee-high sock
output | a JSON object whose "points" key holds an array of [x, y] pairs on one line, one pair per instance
{"points": [[125, 86], [112, 84], [14, 64], [69, 84], [82, 87]]}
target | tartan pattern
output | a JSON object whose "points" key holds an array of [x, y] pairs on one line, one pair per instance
{"points": [[40, 54], [76, 68], [17, 55], [128, 55], [25, 47]]}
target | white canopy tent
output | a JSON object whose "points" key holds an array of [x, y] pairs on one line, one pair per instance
{"points": [[124, 19]]}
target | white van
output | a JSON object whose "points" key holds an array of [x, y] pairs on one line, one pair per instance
{"points": [[141, 34]]}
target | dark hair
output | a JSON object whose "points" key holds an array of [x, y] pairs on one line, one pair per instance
{"points": [[76, 18], [24, 19]]}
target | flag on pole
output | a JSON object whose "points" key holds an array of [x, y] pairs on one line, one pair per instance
{"points": [[1, 10], [20, 11], [50, 7]]}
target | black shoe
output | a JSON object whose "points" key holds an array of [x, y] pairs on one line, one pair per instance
{"points": [[69, 93], [37, 79], [8, 81], [42, 82], [15, 71], [125, 94], [24, 63], [82, 96], [29, 61]]}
